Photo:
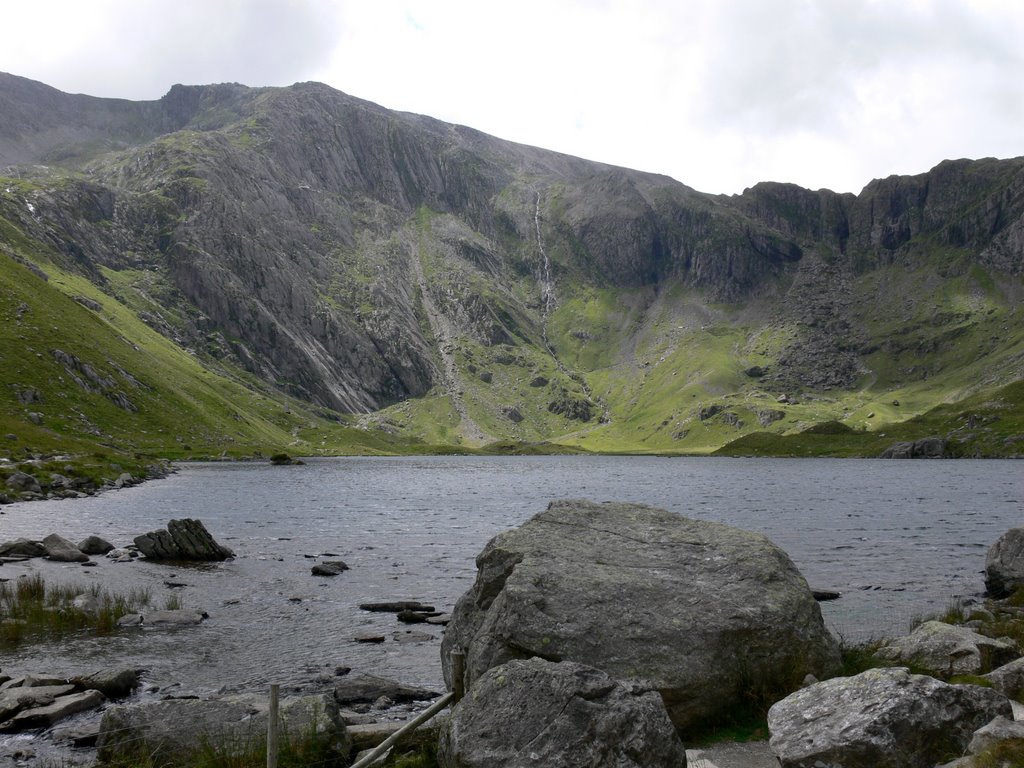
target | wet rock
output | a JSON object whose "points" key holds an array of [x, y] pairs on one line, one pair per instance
{"points": [[60, 549], [185, 539], [114, 683], [1004, 564], [18, 698], [365, 689], [946, 650], [22, 548], [537, 712], [61, 708], [882, 718], [700, 609], [369, 637], [329, 568], [154, 731], [395, 606], [408, 636]]}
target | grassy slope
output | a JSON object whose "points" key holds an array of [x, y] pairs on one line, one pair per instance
{"points": [[183, 408], [667, 368]]}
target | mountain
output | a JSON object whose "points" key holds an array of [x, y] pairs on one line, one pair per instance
{"points": [[380, 277]]}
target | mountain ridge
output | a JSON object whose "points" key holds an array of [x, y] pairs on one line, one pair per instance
{"points": [[361, 259]]}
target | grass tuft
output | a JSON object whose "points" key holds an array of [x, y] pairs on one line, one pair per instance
{"points": [[30, 610]]}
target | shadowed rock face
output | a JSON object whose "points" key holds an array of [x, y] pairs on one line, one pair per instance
{"points": [[704, 612], [280, 226], [535, 712]]}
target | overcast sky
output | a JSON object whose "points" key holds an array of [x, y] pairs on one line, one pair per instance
{"points": [[719, 94]]}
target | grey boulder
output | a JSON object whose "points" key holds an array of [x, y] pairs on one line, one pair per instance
{"points": [[947, 650], [174, 731], [22, 482], [185, 539], [59, 708], [22, 548], [94, 545], [329, 568], [1004, 564], [702, 611], [60, 549], [114, 683], [990, 734], [536, 712], [882, 718]]}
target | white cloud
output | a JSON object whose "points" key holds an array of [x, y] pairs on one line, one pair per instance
{"points": [[717, 93]]}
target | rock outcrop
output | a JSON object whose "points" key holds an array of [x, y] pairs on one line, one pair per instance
{"points": [[882, 718], [947, 650], [185, 539], [1004, 564], [925, 448], [536, 712], [702, 611]]}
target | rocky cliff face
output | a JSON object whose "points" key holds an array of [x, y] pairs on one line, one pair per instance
{"points": [[357, 257]]}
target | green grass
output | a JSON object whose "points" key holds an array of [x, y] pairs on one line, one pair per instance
{"points": [[31, 610]]}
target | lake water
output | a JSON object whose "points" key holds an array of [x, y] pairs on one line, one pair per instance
{"points": [[897, 538]]}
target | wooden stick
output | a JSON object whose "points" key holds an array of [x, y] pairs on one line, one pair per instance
{"points": [[412, 725], [272, 727]]}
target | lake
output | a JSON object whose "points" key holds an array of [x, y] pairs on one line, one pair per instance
{"points": [[897, 538]]}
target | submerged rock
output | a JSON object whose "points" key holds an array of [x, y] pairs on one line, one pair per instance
{"points": [[358, 688], [702, 610], [540, 713], [882, 718]]}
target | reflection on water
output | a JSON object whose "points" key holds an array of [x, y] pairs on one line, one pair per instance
{"points": [[898, 538]]}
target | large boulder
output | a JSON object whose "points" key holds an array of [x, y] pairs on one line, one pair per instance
{"points": [[183, 540], [704, 612], [22, 548], [63, 551], [536, 712], [947, 650], [174, 731], [1004, 565], [882, 718]]}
